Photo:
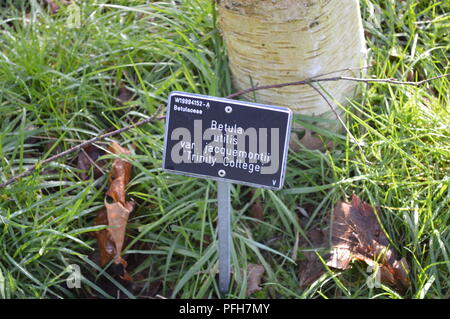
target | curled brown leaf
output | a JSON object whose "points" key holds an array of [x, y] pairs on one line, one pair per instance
{"points": [[106, 247], [120, 174], [115, 215], [117, 220]]}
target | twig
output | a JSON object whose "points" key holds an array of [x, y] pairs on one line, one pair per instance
{"points": [[332, 109], [360, 68], [30, 170], [92, 161], [335, 78], [337, 116], [309, 82], [74, 140]]}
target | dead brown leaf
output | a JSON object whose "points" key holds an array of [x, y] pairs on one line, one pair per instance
{"points": [[117, 222], [120, 174], [115, 214], [254, 276], [106, 247], [357, 234]]}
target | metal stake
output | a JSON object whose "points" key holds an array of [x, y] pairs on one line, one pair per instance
{"points": [[224, 228]]}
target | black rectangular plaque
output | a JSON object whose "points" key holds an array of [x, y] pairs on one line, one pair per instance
{"points": [[226, 140]]}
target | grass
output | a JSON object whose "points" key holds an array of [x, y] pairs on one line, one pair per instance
{"points": [[62, 83]]}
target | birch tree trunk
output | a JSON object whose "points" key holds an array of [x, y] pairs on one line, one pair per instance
{"points": [[276, 41]]}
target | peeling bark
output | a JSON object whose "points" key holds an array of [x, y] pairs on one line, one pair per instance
{"points": [[272, 42]]}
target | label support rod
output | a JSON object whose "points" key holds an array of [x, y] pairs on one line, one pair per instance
{"points": [[224, 229]]}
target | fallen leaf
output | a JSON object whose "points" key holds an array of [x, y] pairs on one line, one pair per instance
{"points": [[254, 276], [117, 220], [120, 174], [115, 215], [357, 234], [106, 247]]}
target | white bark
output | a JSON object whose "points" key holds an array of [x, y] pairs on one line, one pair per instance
{"points": [[276, 41]]}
